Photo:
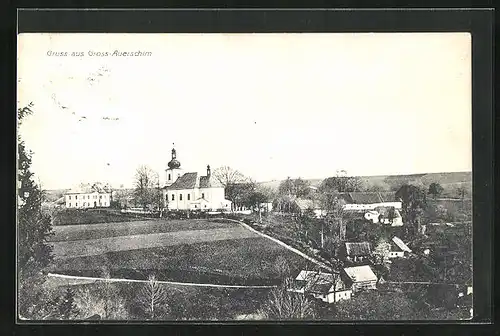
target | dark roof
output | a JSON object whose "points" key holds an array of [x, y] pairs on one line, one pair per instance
{"points": [[209, 182], [298, 284], [320, 288], [357, 249], [368, 197], [186, 181]]}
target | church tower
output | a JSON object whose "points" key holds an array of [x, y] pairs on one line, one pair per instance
{"points": [[174, 170]]}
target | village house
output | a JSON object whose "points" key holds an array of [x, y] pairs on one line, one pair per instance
{"points": [[303, 205], [357, 252], [361, 277], [366, 201], [327, 287], [380, 215], [398, 248], [190, 191], [88, 196]]}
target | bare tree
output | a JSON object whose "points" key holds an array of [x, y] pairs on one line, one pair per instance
{"points": [[146, 184], [286, 305], [152, 296], [227, 175]]}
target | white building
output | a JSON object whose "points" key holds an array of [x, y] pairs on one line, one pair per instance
{"points": [[191, 191], [366, 201], [87, 196], [324, 286], [398, 248]]}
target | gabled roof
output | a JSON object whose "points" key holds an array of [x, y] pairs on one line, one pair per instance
{"points": [[89, 189], [357, 249], [368, 197], [209, 182], [360, 273], [400, 244], [305, 204], [186, 181]]}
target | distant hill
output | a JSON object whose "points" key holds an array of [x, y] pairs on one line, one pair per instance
{"points": [[392, 182]]}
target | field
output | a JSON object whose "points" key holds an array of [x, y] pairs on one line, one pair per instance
{"points": [[219, 252], [91, 216]]}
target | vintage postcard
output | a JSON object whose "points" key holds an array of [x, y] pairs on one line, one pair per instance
{"points": [[230, 177]]}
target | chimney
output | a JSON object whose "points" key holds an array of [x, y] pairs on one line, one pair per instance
{"points": [[208, 170]]}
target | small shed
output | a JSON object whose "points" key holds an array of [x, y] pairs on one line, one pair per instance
{"points": [[327, 287], [357, 251], [361, 277], [398, 248]]}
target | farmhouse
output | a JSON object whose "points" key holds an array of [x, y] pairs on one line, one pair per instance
{"points": [[357, 252], [190, 191], [302, 205], [362, 277], [327, 287], [381, 215], [365, 201], [398, 248], [88, 196]]}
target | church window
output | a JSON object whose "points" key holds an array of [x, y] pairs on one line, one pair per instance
{"points": [[173, 197], [202, 195], [69, 197], [76, 197], [189, 197], [166, 197], [180, 197], [76, 204], [169, 177], [100, 196], [70, 204]]}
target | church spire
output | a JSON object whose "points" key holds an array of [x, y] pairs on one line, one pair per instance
{"points": [[174, 164], [173, 151]]}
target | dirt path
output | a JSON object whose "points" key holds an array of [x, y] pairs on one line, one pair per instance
{"points": [[72, 280]]}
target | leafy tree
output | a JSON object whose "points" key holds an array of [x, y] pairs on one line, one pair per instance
{"points": [[294, 188], [256, 199], [435, 189], [152, 297], [34, 254], [414, 205], [239, 193], [341, 183], [375, 305]]}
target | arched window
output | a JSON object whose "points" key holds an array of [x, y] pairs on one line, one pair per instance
{"points": [[173, 197], [169, 177], [180, 197]]}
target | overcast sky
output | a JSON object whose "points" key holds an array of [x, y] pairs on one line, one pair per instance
{"points": [[269, 105]]}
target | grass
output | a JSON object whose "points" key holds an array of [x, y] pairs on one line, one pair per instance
{"points": [[108, 230], [234, 261], [91, 216]]}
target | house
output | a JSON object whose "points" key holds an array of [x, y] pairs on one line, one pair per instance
{"points": [[327, 287], [381, 215], [365, 201], [88, 196], [361, 277], [191, 191], [357, 252], [398, 248], [302, 205]]}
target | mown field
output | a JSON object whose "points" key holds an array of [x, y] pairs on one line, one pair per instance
{"points": [[219, 252], [91, 216]]}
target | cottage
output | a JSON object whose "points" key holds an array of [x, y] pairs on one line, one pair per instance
{"points": [[366, 201], [398, 248], [357, 252], [361, 277], [302, 205], [190, 191], [327, 287]]}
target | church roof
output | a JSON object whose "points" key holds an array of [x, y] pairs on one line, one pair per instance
{"points": [[209, 182], [191, 181], [186, 181]]}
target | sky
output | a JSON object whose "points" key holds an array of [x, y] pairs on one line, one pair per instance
{"points": [[269, 105]]}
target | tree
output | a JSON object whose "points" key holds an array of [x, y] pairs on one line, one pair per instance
{"points": [[256, 199], [341, 183], [414, 204], [34, 227], [67, 307], [239, 193], [435, 189], [113, 303], [152, 297], [285, 305], [294, 188], [227, 175], [282, 267], [146, 186]]}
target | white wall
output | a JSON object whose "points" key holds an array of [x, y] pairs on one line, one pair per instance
{"points": [[87, 200], [396, 254], [213, 196], [396, 205]]}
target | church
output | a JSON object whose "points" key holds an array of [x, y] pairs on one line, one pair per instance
{"points": [[191, 191]]}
